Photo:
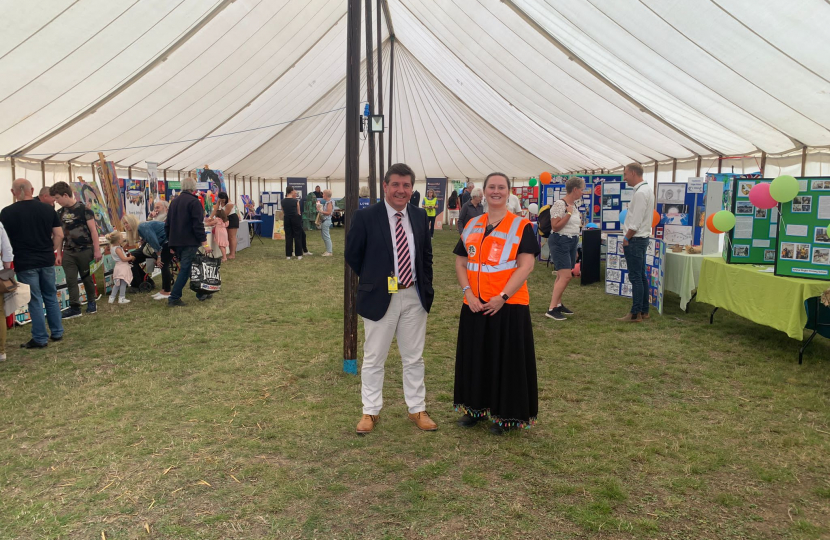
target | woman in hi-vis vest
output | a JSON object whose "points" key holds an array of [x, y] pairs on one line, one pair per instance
{"points": [[430, 204], [495, 360]]}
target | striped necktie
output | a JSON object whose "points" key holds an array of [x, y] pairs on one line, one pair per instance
{"points": [[404, 262]]}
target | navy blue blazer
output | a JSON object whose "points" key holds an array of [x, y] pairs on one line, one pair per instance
{"points": [[370, 252]]}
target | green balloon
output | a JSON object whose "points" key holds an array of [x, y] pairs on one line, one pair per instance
{"points": [[531, 182], [724, 221], [784, 188]]}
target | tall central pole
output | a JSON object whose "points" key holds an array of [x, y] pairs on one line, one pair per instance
{"points": [[380, 96], [370, 97], [391, 91], [352, 180]]}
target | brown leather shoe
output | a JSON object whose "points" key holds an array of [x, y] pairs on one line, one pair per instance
{"points": [[629, 317], [423, 421], [645, 316], [367, 423]]}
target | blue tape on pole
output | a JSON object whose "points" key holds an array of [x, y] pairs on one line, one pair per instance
{"points": [[350, 366]]}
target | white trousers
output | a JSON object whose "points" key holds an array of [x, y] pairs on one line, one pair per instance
{"points": [[405, 319]]}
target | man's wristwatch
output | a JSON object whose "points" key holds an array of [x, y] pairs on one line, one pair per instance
{"points": [[504, 296]]}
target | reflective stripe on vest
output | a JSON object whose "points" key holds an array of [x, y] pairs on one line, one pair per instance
{"points": [[487, 276]]}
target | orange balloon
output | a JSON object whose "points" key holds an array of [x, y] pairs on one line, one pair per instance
{"points": [[655, 220], [710, 225], [545, 178]]}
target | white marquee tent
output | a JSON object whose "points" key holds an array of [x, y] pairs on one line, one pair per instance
{"points": [[257, 87]]}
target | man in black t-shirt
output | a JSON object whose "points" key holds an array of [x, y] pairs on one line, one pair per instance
{"points": [[80, 248], [35, 234]]}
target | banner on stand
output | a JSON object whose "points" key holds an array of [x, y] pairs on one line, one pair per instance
{"points": [[439, 186], [135, 199], [152, 184]]}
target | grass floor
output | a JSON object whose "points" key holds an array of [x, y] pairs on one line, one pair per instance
{"points": [[233, 419]]}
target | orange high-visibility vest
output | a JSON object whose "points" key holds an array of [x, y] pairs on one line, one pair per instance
{"points": [[491, 261]]}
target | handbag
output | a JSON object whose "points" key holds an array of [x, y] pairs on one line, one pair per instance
{"points": [[7, 281], [319, 220], [204, 274]]}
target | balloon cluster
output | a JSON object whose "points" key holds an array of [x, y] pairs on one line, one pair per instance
{"points": [[765, 196]]}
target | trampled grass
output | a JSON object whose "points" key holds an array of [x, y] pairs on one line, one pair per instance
{"points": [[233, 419]]}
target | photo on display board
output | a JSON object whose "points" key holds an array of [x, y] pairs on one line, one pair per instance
{"points": [[821, 185], [623, 264], [676, 214], [821, 256], [744, 208], [614, 262], [700, 216], [626, 289], [670, 194], [612, 288], [820, 236], [788, 251], [803, 204], [740, 251], [761, 213], [769, 255], [608, 202], [802, 252], [744, 188]]}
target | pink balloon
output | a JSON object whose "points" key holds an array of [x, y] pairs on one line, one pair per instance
{"points": [[760, 197]]}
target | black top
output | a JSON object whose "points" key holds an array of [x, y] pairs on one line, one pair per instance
{"points": [[290, 207], [76, 233], [465, 197], [185, 224], [527, 245], [29, 225]]}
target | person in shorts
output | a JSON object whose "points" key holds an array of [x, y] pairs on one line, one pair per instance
{"points": [[566, 224]]}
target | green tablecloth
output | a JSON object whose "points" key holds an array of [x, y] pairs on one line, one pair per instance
{"points": [[682, 274], [761, 297]]}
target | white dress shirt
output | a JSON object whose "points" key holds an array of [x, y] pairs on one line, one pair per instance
{"points": [[410, 237], [5, 246], [640, 211]]}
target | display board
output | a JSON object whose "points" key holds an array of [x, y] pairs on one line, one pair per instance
{"points": [[88, 194], [439, 186], [553, 192], [616, 270], [682, 212], [803, 239], [716, 198], [173, 188], [615, 198], [271, 207], [753, 240]]}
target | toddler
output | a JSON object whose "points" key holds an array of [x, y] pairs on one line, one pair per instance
{"points": [[220, 231], [122, 274]]}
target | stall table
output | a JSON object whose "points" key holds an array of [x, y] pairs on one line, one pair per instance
{"points": [[761, 297], [682, 273]]}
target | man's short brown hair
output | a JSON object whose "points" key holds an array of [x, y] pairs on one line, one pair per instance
{"points": [[60, 188], [636, 168], [401, 169]]}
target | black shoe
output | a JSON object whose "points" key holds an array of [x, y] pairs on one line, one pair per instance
{"points": [[32, 344], [468, 421], [71, 313], [555, 314], [174, 303], [60, 338], [496, 429], [203, 297], [565, 311]]}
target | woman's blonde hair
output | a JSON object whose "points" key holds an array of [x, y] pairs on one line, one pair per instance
{"points": [[132, 234]]}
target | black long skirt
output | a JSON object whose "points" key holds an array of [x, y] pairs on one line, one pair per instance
{"points": [[495, 366]]}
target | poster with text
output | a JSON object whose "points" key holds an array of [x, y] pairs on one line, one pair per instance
{"points": [[803, 241], [152, 184], [439, 187], [135, 199]]}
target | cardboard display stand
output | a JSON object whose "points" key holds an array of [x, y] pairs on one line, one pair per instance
{"points": [[753, 240], [616, 270], [271, 218], [803, 240]]}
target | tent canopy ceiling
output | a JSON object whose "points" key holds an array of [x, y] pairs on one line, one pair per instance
{"points": [[257, 87]]}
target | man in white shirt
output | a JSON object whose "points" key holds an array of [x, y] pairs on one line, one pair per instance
{"points": [[637, 229], [514, 206]]}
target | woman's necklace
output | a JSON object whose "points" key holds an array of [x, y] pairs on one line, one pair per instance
{"points": [[491, 226]]}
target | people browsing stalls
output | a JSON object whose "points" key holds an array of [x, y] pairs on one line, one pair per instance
{"points": [[293, 224], [232, 220], [153, 235], [80, 248], [185, 228], [220, 231], [566, 225]]}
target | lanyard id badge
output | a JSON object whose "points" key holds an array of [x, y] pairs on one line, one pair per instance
{"points": [[392, 283]]}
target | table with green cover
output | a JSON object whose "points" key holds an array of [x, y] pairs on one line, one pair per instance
{"points": [[761, 297], [682, 274]]}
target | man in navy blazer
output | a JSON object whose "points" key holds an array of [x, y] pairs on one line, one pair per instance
{"points": [[389, 248]]}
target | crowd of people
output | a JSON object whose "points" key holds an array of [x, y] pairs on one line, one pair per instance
{"points": [[389, 246]]}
